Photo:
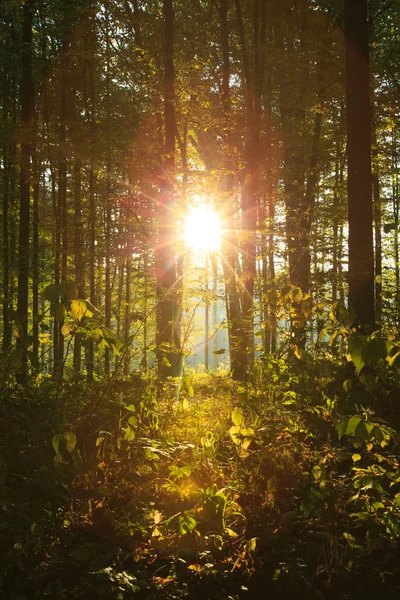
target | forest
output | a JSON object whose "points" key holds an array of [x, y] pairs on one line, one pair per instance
{"points": [[200, 274]]}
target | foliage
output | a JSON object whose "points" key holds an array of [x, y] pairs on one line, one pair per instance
{"points": [[275, 487]]}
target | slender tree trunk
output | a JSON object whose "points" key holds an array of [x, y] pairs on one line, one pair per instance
{"points": [[127, 319], [35, 257], [92, 274], [62, 194], [396, 221], [271, 271], [167, 336], [57, 260], [335, 228], [359, 181], [145, 312], [27, 108], [107, 293], [228, 243], [250, 189], [91, 116], [377, 232], [78, 253], [6, 203]]}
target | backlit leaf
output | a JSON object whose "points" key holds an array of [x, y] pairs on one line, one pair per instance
{"points": [[237, 416]]}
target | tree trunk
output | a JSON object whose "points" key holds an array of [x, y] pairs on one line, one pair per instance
{"points": [[36, 165], [359, 180], [127, 319], [27, 108], [90, 113], [78, 253], [107, 291], [228, 242], [6, 203], [168, 317]]}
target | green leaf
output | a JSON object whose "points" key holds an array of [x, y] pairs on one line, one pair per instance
{"points": [[51, 292], [316, 472], [296, 294], [64, 442], [375, 350], [129, 434], [220, 351], [70, 291], [352, 424], [343, 314], [248, 434], [341, 428], [363, 431], [237, 416], [234, 433], [357, 346], [187, 524], [367, 379], [347, 385]]}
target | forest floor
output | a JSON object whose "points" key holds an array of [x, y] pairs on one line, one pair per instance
{"points": [[203, 489]]}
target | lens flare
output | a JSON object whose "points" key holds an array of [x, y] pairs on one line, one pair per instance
{"points": [[202, 229]]}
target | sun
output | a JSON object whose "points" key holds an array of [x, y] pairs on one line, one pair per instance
{"points": [[202, 229]]}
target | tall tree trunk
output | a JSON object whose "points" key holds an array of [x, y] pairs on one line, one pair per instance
{"points": [[377, 232], [359, 181], [127, 312], [62, 190], [107, 292], [167, 336], [78, 253], [90, 113], [229, 242], [250, 187], [57, 264], [92, 275], [6, 204], [36, 166], [27, 108]]}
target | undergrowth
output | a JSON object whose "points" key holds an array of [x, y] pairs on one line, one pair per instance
{"points": [[287, 486]]}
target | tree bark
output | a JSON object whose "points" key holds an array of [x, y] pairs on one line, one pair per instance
{"points": [[27, 109], [359, 180], [168, 317]]}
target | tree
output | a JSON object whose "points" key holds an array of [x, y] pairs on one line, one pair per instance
{"points": [[359, 178], [168, 312], [27, 108]]}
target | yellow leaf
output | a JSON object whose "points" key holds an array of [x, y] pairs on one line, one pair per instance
{"points": [[76, 310], [65, 329], [231, 533]]}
